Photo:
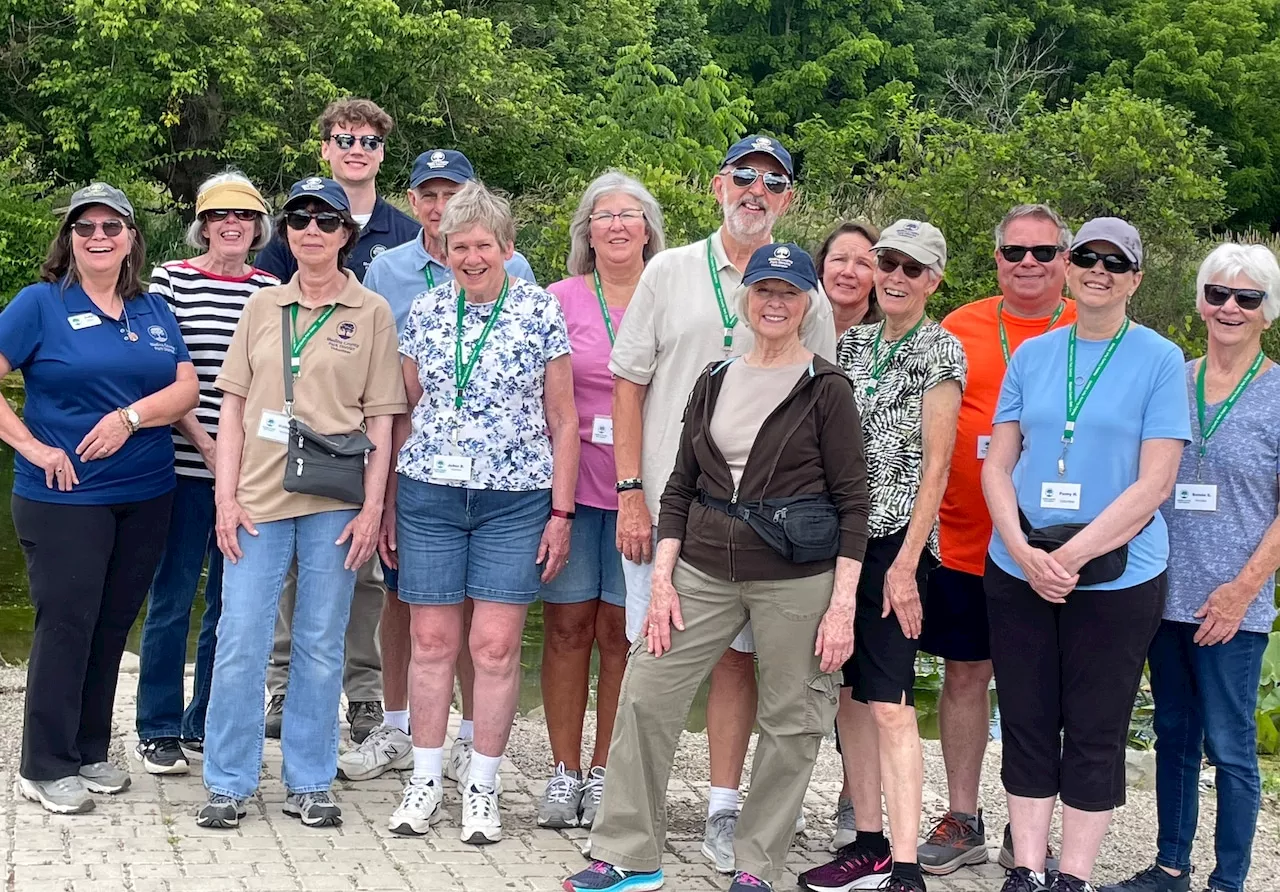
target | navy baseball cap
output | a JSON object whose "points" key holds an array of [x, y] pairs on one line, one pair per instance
{"points": [[320, 189], [760, 144], [788, 262], [444, 164]]}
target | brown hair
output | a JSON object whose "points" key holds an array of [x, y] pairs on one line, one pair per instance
{"points": [[868, 232], [60, 262], [348, 223], [353, 112]]}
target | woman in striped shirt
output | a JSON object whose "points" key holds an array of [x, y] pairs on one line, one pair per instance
{"points": [[207, 293]]}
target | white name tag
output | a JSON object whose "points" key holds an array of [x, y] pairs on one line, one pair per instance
{"points": [[1195, 497], [274, 426], [451, 467], [602, 430], [1063, 496], [984, 443], [84, 320]]}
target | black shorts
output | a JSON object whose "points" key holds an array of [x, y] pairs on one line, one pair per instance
{"points": [[883, 666], [955, 617]]}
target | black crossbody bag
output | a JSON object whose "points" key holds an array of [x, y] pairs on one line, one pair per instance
{"points": [[1104, 568]]}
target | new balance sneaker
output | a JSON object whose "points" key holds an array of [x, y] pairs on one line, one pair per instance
{"points": [[1021, 879], [845, 828], [1006, 854], [163, 755], [748, 882], [852, 868], [103, 777], [275, 716], [458, 768], [954, 842], [385, 749], [601, 877], [1153, 879], [64, 796], [481, 823], [363, 716], [592, 793], [221, 813], [562, 800], [717, 843], [419, 809], [1065, 882], [314, 809]]}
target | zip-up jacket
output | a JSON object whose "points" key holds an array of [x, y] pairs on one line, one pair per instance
{"points": [[810, 444]]}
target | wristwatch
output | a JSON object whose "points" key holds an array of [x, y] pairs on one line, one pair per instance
{"points": [[629, 484], [131, 419]]}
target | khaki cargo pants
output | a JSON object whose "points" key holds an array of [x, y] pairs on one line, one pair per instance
{"points": [[797, 706]]}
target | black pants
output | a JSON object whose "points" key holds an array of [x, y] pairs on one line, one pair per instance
{"points": [[89, 568], [1066, 676]]}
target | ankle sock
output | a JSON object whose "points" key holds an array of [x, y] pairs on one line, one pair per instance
{"points": [[397, 718], [428, 764], [722, 799], [466, 730], [484, 770], [909, 870], [872, 841]]}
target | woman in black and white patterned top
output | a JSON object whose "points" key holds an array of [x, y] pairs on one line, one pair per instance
{"points": [[207, 294], [907, 375]]}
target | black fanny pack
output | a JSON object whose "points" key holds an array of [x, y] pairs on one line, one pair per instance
{"points": [[802, 529], [1104, 568]]}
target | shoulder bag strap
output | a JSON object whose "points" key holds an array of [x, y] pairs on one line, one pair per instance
{"points": [[286, 335]]}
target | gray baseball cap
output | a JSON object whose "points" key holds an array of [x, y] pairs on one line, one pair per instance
{"points": [[1111, 229], [922, 242], [103, 194]]}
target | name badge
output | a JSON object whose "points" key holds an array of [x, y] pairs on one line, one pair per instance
{"points": [[274, 426], [1195, 497], [84, 320], [602, 430], [451, 467], [984, 444], [1063, 496]]}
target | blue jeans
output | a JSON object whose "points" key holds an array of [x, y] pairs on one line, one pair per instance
{"points": [[1204, 704], [250, 597], [164, 633]]}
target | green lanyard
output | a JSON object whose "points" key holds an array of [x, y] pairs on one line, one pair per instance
{"points": [[878, 366], [728, 321], [1074, 403], [1004, 336], [297, 343], [1207, 432], [462, 372], [426, 274], [604, 307]]}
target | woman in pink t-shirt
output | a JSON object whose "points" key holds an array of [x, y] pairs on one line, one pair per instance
{"points": [[616, 229]]}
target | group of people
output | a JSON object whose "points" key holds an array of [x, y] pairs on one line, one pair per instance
{"points": [[726, 459]]}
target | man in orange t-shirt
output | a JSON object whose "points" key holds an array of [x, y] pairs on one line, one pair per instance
{"points": [[1031, 268]]}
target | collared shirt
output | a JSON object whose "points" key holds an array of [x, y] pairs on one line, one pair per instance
{"points": [[399, 275], [387, 228], [78, 365], [672, 331], [349, 372]]}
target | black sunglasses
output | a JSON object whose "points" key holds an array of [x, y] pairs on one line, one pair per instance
{"points": [[910, 268], [369, 143], [86, 228], [1246, 298], [326, 220], [1112, 263], [219, 215], [777, 183], [1042, 253]]}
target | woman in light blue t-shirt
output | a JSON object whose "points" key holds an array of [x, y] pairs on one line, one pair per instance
{"points": [[1090, 425]]}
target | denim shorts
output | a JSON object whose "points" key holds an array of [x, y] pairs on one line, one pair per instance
{"points": [[456, 543], [595, 567]]}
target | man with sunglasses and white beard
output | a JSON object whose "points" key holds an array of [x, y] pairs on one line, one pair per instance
{"points": [[679, 321]]}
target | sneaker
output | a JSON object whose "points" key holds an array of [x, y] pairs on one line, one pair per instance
{"points": [[314, 809], [64, 796], [900, 884], [748, 882], [163, 755], [481, 823], [1006, 854], [953, 843], [1153, 879], [852, 868], [1065, 882], [192, 744], [801, 823], [103, 777], [717, 845], [592, 793], [386, 749], [221, 813], [275, 716], [1021, 879], [363, 716], [601, 877], [419, 809], [458, 768], [562, 800], [845, 829]]}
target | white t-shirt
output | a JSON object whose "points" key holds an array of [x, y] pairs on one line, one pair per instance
{"points": [[362, 219]]}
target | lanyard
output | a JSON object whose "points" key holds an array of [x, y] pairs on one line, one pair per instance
{"points": [[462, 372], [1074, 403], [879, 366], [1211, 429], [427, 274], [1004, 336], [604, 307], [297, 343], [728, 321]]}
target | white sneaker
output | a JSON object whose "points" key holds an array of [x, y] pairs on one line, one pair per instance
{"points": [[419, 809], [458, 768], [481, 823], [387, 748]]}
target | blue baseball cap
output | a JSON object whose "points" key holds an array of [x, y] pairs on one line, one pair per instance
{"points": [[320, 189], [766, 145], [443, 164], [787, 261]]}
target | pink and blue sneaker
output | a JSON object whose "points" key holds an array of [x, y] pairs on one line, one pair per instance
{"points": [[602, 877]]}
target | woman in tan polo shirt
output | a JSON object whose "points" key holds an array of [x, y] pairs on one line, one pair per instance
{"points": [[345, 376]]}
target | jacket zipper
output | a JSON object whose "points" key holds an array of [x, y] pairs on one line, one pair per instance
{"points": [[733, 505]]}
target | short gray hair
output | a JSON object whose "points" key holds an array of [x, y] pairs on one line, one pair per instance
{"points": [[739, 299], [477, 206], [1255, 262], [1039, 212], [195, 232], [582, 259]]}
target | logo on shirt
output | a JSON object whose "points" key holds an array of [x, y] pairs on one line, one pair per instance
{"points": [[346, 330], [376, 250], [312, 184], [781, 258], [158, 334], [763, 144], [437, 160]]}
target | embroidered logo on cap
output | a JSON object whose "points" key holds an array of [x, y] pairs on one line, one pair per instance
{"points": [[781, 258], [437, 160], [763, 144], [910, 230], [312, 184], [96, 189]]}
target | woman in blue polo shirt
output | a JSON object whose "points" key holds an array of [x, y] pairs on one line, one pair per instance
{"points": [[106, 373]]}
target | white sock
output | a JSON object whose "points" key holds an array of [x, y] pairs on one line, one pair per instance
{"points": [[466, 730], [428, 764], [721, 799], [397, 718], [484, 770]]}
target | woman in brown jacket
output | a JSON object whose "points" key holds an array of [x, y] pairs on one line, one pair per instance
{"points": [[764, 520]]}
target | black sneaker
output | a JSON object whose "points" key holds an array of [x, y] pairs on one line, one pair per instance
{"points": [[163, 755], [1006, 854], [1153, 879], [1065, 882], [901, 884], [275, 716], [363, 716], [192, 744], [1021, 879], [313, 809], [221, 813]]}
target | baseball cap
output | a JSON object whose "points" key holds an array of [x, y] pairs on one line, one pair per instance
{"points": [[922, 242], [787, 261], [444, 164], [760, 144], [1114, 230], [318, 189], [100, 193]]}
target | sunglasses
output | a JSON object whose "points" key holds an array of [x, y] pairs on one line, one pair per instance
{"points": [[1246, 298], [910, 268], [1112, 263], [86, 228], [777, 183], [369, 143], [219, 215], [326, 220], [1042, 253]]}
